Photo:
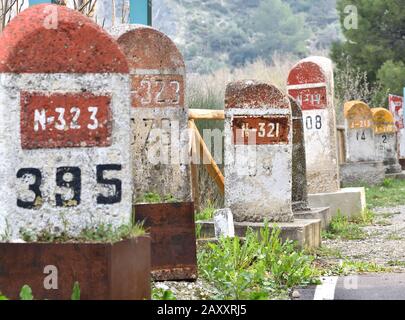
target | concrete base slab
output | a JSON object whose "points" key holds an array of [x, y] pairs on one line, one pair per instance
{"points": [[392, 167], [400, 175], [306, 232], [350, 202], [362, 173], [323, 214]]}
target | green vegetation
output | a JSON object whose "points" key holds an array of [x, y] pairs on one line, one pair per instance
{"points": [[103, 233], [346, 228], [396, 263], [161, 294], [376, 45], [152, 197], [347, 267], [26, 293], [215, 34], [260, 267], [206, 214], [390, 193], [75, 292]]}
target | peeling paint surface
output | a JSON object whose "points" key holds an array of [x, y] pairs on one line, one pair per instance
{"points": [[311, 83], [64, 127], [159, 116], [257, 176], [299, 167]]}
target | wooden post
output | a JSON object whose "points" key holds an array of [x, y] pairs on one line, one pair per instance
{"points": [[206, 114], [194, 172], [212, 168]]}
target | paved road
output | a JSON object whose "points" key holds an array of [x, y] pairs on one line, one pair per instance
{"points": [[361, 287]]}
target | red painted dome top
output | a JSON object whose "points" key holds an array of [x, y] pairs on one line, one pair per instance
{"points": [[306, 72], [148, 48], [253, 94], [49, 38]]}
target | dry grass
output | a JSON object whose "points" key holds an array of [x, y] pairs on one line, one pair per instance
{"points": [[207, 91]]}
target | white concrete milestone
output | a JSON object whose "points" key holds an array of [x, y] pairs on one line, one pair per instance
{"points": [[360, 145], [258, 152], [65, 128], [386, 139], [159, 115], [311, 83]]}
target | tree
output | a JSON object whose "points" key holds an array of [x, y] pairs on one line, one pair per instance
{"points": [[378, 38], [392, 76], [277, 28]]}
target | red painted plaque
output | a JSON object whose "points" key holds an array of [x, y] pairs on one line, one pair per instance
{"points": [[157, 91], [65, 120], [260, 130], [310, 98]]}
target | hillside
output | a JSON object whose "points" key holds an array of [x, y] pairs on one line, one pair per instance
{"points": [[213, 33]]}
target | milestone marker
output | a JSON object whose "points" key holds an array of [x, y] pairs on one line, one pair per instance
{"points": [[161, 142], [258, 152], [310, 82], [359, 132], [386, 139], [66, 132]]}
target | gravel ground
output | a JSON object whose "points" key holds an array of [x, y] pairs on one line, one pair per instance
{"points": [[385, 242], [384, 245], [198, 290]]}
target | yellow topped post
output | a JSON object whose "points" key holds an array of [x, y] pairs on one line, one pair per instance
{"points": [[359, 132], [386, 139], [358, 114], [383, 121]]}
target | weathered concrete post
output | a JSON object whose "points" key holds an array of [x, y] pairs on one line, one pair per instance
{"points": [[310, 81], [258, 137], [65, 160], [299, 167], [159, 115], [362, 165], [161, 143], [258, 160], [386, 139], [300, 204]]}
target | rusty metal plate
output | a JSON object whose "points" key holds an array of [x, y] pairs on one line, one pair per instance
{"points": [[172, 229], [57, 120], [260, 130], [310, 98], [151, 91], [104, 271]]}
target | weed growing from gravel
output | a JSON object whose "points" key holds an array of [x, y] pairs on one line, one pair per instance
{"points": [[396, 263], [152, 197], [347, 267], [26, 293], [258, 267], [204, 215], [162, 294], [389, 194], [344, 228]]}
